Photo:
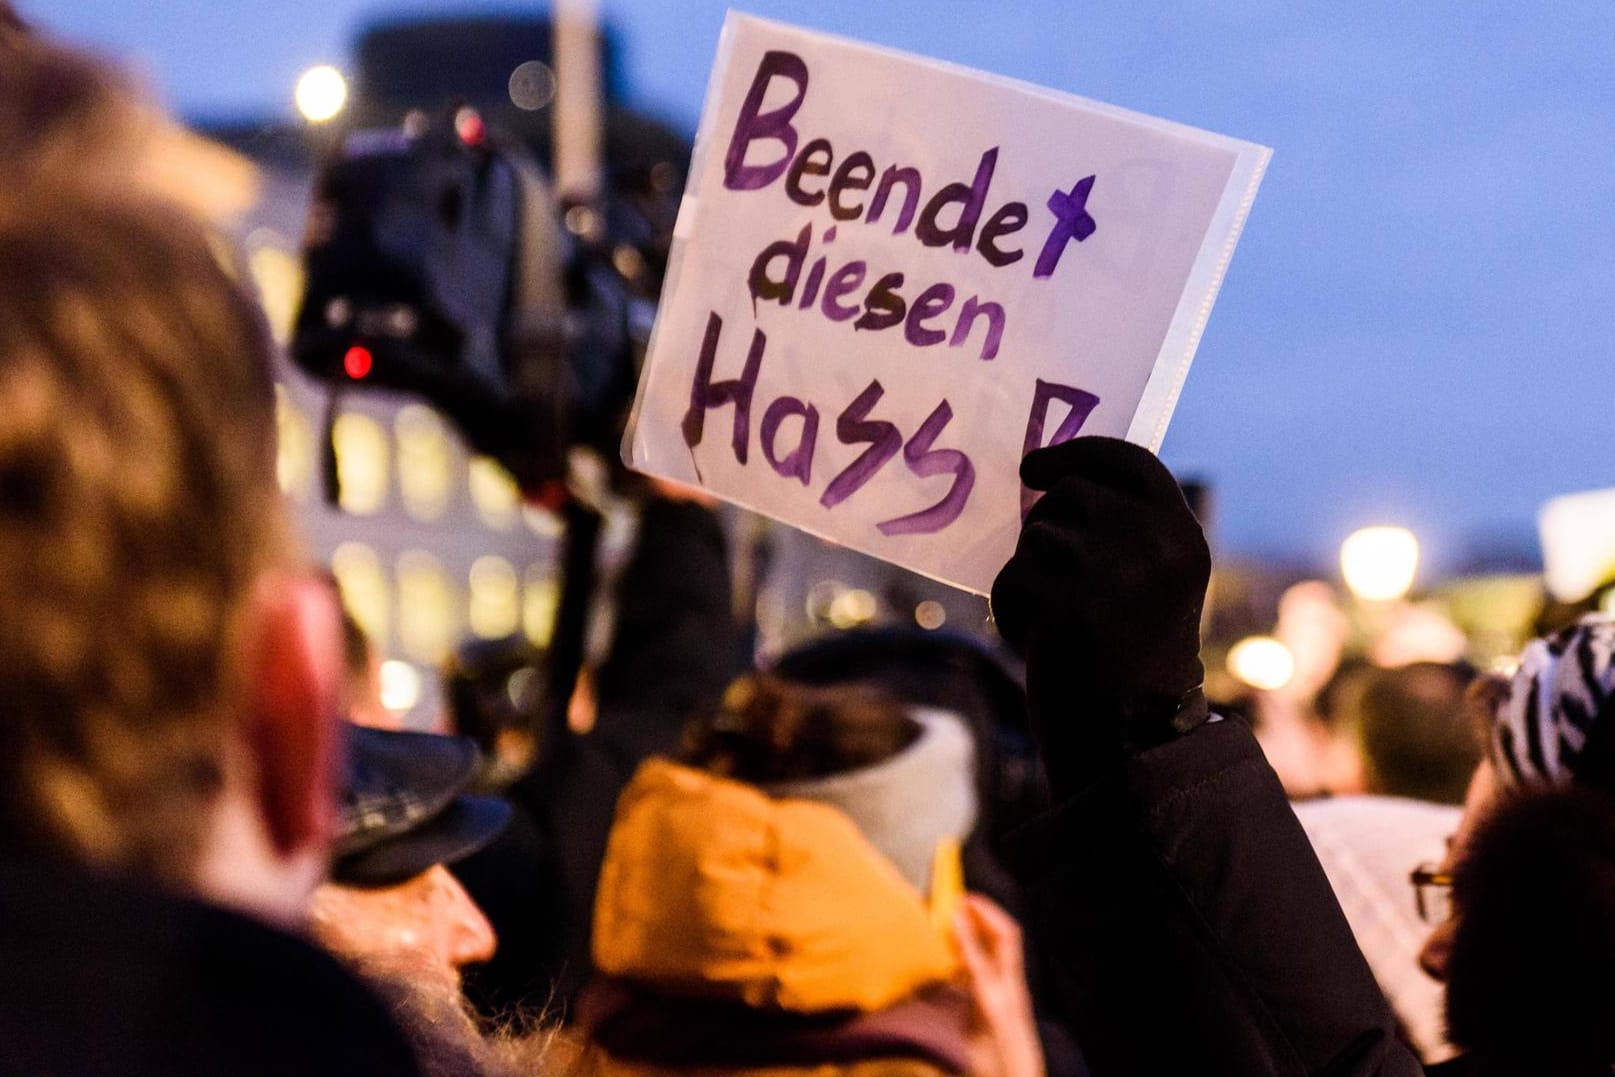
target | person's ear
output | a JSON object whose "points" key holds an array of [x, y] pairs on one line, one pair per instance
{"points": [[295, 731]]}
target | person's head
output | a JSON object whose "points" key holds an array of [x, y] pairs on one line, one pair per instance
{"points": [[391, 901], [797, 805], [1407, 728], [946, 670], [496, 696], [1531, 970], [426, 924], [167, 675], [1550, 725], [140, 530], [769, 730], [63, 114], [905, 775]]}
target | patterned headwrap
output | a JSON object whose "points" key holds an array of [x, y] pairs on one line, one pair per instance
{"points": [[1558, 694]]}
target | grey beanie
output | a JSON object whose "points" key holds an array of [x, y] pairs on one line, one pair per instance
{"points": [[906, 804]]}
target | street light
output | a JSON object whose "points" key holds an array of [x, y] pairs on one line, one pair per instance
{"points": [[1379, 563], [400, 685], [321, 93], [1261, 662]]}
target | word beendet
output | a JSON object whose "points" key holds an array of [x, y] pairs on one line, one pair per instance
{"points": [[857, 173]]}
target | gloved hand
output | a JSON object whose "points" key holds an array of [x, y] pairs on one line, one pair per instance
{"points": [[1103, 597]]}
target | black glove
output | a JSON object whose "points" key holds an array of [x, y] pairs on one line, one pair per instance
{"points": [[1103, 599]]}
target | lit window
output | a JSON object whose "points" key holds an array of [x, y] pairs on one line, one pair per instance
{"points": [[540, 597], [495, 610], [541, 521], [364, 589], [425, 462], [278, 276], [294, 450], [493, 492], [426, 608], [361, 463]]}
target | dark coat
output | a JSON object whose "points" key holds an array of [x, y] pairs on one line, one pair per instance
{"points": [[1192, 928], [100, 977], [674, 649]]}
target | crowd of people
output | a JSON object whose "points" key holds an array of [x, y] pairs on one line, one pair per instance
{"points": [[888, 852]]}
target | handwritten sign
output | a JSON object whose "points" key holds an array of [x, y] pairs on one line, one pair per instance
{"points": [[892, 277]]}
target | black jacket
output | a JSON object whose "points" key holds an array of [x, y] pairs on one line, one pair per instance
{"points": [[1192, 929], [674, 649], [102, 977]]}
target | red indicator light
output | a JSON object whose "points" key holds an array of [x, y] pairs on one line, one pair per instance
{"points": [[357, 362], [469, 126]]}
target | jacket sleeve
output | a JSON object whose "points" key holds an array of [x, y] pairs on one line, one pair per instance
{"points": [[676, 643], [1191, 928]]}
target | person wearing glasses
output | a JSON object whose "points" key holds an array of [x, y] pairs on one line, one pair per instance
{"points": [[1528, 989], [1545, 727], [1536, 822]]}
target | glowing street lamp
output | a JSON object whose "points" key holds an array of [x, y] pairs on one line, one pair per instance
{"points": [[1261, 662], [400, 685], [1379, 563], [321, 93]]}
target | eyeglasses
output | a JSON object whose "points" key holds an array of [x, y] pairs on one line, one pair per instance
{"points": [[1432, 893]]}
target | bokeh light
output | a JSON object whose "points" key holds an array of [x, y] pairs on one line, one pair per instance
{"points": [[532, 85], [364, 588], [1379, 563], [361, 463], [427, 608], [495, 608], [1261, 662], [493, 492], [930, 615], [425, 462], [321, 93], [400, 685]]}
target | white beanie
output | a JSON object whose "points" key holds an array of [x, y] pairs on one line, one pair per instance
{"points": [[906, 804]]}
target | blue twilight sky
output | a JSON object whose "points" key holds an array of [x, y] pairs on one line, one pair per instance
{"points": [[1413, 329]]}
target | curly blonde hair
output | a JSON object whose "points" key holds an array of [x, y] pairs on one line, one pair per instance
{"points": [[137, 509]]}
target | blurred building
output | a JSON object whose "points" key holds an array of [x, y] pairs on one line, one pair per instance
{"points": [[431, 543]]}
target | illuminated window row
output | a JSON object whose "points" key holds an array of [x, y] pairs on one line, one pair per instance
{"points": [[833, 603], [428, 467], [429, 612]]}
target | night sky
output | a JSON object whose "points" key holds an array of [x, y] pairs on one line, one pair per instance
{"points": [[1414, 328]]}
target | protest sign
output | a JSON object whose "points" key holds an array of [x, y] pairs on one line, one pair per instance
{"points": [[891, 277]]}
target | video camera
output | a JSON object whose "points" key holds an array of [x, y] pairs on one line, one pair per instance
{"points": [[436, 263]]}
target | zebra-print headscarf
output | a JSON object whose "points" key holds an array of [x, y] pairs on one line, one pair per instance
{"points": [[1563, 685]]}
